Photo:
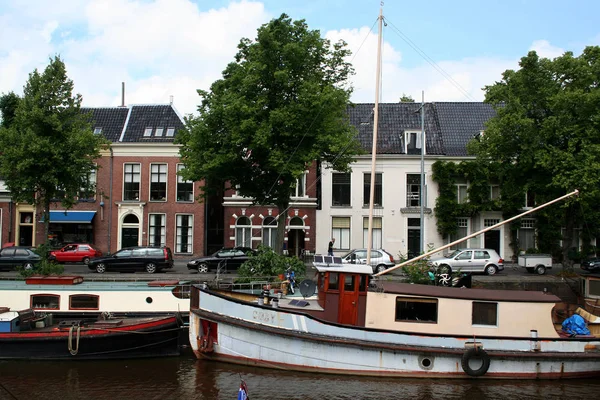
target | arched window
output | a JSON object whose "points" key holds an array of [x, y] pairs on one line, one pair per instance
{"points": [[296, 223], [130, 219], [243, 232], [269, 232]]}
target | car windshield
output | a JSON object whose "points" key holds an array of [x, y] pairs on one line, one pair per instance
{"points": [[453, 254]]}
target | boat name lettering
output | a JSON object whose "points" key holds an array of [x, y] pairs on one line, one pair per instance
{"points": [[264, 316]]}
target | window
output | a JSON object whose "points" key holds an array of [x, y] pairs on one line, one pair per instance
{"points": [[158, 131], [243, 232], [526, 234], [349, 282], [88, 191], [131, 182], [481, 255], [170, 131], [157, 230], [409, 309], [334, 281], [340, 189], [84, 302], [378, 190], [461, 232], [184, 229], [485, 313], [299, 190], [413, 143], [340, 230], [461, 192], [185, 189], [529, 199], [158, 182], [45, 301], [97, 130], [269, 232], [413, 190], [465, 255], [148, 132], [494, 192], [376, 233]]}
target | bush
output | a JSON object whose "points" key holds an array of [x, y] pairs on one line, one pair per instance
{"points": [[267, 263], [45, 267]]}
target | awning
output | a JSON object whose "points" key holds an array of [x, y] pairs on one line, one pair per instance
{"points": [[71, 217]]}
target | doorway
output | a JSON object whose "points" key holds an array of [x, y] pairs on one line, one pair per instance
{"points": [[414, 237], [491, 240]]}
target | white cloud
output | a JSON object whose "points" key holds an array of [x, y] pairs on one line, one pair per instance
{"points": [[544, 49]]}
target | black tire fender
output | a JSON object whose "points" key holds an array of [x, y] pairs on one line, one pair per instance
{"points": [[475, 352]]}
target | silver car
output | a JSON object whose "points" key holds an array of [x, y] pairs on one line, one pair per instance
{"points": [[380, 259], [469, 260]]}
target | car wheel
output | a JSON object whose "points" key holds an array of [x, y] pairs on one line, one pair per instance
{"points": [[491, 270], [86, 260], [28, 266], [380, 268], [150, 268], [101, 268], [202, 268], [444, 269], [540, 270]]}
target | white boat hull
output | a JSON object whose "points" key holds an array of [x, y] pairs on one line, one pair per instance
{"points": [[250, 334]]}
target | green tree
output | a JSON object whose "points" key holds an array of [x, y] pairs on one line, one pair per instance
{"points": [[545, 140], [406, 99], [8, 108], [279, 106], [49, 149]]}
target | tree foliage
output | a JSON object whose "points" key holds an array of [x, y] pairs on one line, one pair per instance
{"points": [[406, 99], [8, 108], [280, 105], [48, 151], [268, 264], [545, 139]]}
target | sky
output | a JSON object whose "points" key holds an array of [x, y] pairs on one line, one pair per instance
{"points": [[167, 49]]}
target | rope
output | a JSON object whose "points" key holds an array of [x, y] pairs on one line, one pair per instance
{"points": [[75, 350]]}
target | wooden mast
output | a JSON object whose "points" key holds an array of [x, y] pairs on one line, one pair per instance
{"points": [[374, 147]]}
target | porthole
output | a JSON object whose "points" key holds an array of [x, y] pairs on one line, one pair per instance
{"points": [[149, 300], [426, 362]]}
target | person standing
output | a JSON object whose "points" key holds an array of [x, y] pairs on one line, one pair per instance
{"points": [[330, 248]]}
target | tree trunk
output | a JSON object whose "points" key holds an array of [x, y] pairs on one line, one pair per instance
{"points": [[568, 238]]}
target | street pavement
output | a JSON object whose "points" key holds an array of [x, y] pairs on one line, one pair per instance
{"points": [[511, 273]]}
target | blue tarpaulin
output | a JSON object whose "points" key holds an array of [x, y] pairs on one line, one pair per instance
{"points": [[575, 325]]}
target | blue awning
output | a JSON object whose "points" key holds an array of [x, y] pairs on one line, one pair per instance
{"points": [[71, 217]]}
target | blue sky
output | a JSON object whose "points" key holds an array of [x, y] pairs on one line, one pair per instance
{"points": [[164, 48]]}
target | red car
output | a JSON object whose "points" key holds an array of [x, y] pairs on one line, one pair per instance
{"points": [[75, 253]]}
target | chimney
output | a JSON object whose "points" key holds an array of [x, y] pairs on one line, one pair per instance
{"points": [[122, 94], [171, 100]]}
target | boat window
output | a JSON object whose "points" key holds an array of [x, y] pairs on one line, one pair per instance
{"points": [[363, 283], [182, 291], [416, 309], [349, 282], [485, 313], [45, 301], [84, 302], [333, 281]]}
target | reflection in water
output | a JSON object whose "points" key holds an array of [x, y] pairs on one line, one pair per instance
{"points": [[185, 377]]}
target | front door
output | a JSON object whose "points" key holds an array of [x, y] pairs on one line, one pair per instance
{"points": [[414, 243], [129, 237], [348, 312], [295, 242], [491, 240]]}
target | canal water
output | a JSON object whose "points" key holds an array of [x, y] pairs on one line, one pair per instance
{"points": [[187, 378]]}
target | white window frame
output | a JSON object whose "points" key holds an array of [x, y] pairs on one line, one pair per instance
{"points": [[152, 226], [462, 223], [407, 140], [180, 180], [136, 178], [92, 178], [160, 174], [527, 224], [179, 234], [341, 233], [159, 131], [299, 190], [494, 192], [462, 187], [97, 130], [376, 233], [269, 233], [148, 131], [170, 132], [243, 233]]}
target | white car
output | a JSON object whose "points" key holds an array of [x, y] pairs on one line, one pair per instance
{"points": [[380, 259], [469, 260]]}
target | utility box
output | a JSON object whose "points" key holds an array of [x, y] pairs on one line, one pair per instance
{"points": [[535, 263], [9, 321]]}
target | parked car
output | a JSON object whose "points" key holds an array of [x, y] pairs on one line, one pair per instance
{"points": [[591, 265], [226, 260], [469, 260], [15, 256], [380, 259], [75, 253], [143, 258]]}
